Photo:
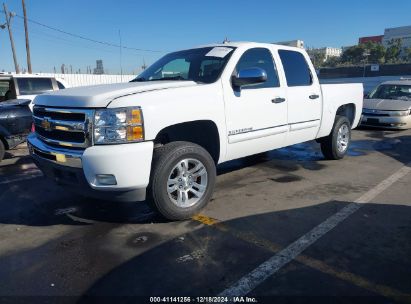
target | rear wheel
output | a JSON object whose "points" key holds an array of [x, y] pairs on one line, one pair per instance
{"points": [[336, 145], [182, 180], [2, 150]]}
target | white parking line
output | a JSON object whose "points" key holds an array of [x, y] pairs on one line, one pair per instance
{"points": [[80, 220], [251, 280]]}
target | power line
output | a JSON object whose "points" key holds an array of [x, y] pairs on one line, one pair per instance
{"points": [[88, 39], [39, 34]]}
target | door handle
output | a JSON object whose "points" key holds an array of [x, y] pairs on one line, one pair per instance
{"points": [[278, 100], [314, 96]]}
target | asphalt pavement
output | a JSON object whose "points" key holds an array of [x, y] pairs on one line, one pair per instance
{"points": [[284, 226]]}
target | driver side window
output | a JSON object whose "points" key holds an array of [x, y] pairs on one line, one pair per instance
{"points": [[259, 58]]}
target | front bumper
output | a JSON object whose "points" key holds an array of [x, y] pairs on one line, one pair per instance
{"points": [[389, 122], [130, 164]]}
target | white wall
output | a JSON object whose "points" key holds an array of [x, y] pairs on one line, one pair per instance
{"points": [[369, 82], [77, 80]]}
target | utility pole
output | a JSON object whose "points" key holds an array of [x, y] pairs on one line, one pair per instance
{"points": [[27, 37], [143, 67], [121, 57], [8, 20]]}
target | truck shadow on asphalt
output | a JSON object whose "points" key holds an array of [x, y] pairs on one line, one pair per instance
{"points": [[74, 210], [306, 155], [16, 167]]}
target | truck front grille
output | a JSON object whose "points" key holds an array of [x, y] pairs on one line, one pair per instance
{"points": [[64, 127]]}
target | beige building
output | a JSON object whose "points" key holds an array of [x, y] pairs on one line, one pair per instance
{"points": [[294, 43], [327, 51]]}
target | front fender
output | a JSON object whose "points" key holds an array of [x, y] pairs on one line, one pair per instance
{"points": [[165, 108]]}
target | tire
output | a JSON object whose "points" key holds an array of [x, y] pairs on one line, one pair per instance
{"points": [[2, 150], [174, 167], [334, 147]]}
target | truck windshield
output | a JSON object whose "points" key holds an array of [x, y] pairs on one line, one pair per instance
{"points": [[203, 65], [392, 91]]}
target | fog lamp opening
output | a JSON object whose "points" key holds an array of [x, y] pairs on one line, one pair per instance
{"points": [[106, 179]]}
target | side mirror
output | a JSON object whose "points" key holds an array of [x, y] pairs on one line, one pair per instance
{"points": [[250, 76]]}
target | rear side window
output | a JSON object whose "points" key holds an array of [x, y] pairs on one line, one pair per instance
{"points": [[259, 58], [4, 87], [31, 86], [296, 68]]}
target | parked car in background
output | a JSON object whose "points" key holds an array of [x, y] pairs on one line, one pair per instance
{"points": [[15, 123], [388, 105], [26, 86]]}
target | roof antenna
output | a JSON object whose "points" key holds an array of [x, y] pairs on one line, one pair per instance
{"points": [[226, 40]]}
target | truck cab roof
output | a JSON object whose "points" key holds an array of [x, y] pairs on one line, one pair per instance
{"points": [[237, 44]]}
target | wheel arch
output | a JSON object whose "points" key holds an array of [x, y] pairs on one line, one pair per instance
{"points": [[348, 110], [201, 132], [3, 134]]}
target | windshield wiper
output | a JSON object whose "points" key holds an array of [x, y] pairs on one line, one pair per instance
{"points": [[171, 78], [142, 79]]}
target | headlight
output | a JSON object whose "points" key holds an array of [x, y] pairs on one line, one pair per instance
{"points": [[120, 125]]}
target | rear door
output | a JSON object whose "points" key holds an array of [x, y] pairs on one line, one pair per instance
{"points": [[304, 96]]}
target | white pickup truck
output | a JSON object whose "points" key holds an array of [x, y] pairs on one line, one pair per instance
{"points": [[163, 133]]}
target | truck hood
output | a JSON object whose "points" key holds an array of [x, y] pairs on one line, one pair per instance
{"points": [[99, 96], [387, 104]]}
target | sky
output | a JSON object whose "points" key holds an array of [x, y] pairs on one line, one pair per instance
{"points": [[164, 26]]}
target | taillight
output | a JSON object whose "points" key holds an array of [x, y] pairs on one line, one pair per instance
{"points": [[33, 128]]}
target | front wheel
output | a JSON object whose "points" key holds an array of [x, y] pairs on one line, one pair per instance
{"points": [[335, 146], [182, 179]]}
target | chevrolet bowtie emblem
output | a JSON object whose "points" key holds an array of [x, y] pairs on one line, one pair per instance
{"points": [[45, 124]]}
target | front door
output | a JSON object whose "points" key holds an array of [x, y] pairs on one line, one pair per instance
{"points": [[256, 115]]}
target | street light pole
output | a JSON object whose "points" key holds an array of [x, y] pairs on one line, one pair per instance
{"points": [[8, 20], [366, 54]]}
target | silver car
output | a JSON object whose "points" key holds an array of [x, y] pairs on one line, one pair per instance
{"points": [[388, 105]]}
